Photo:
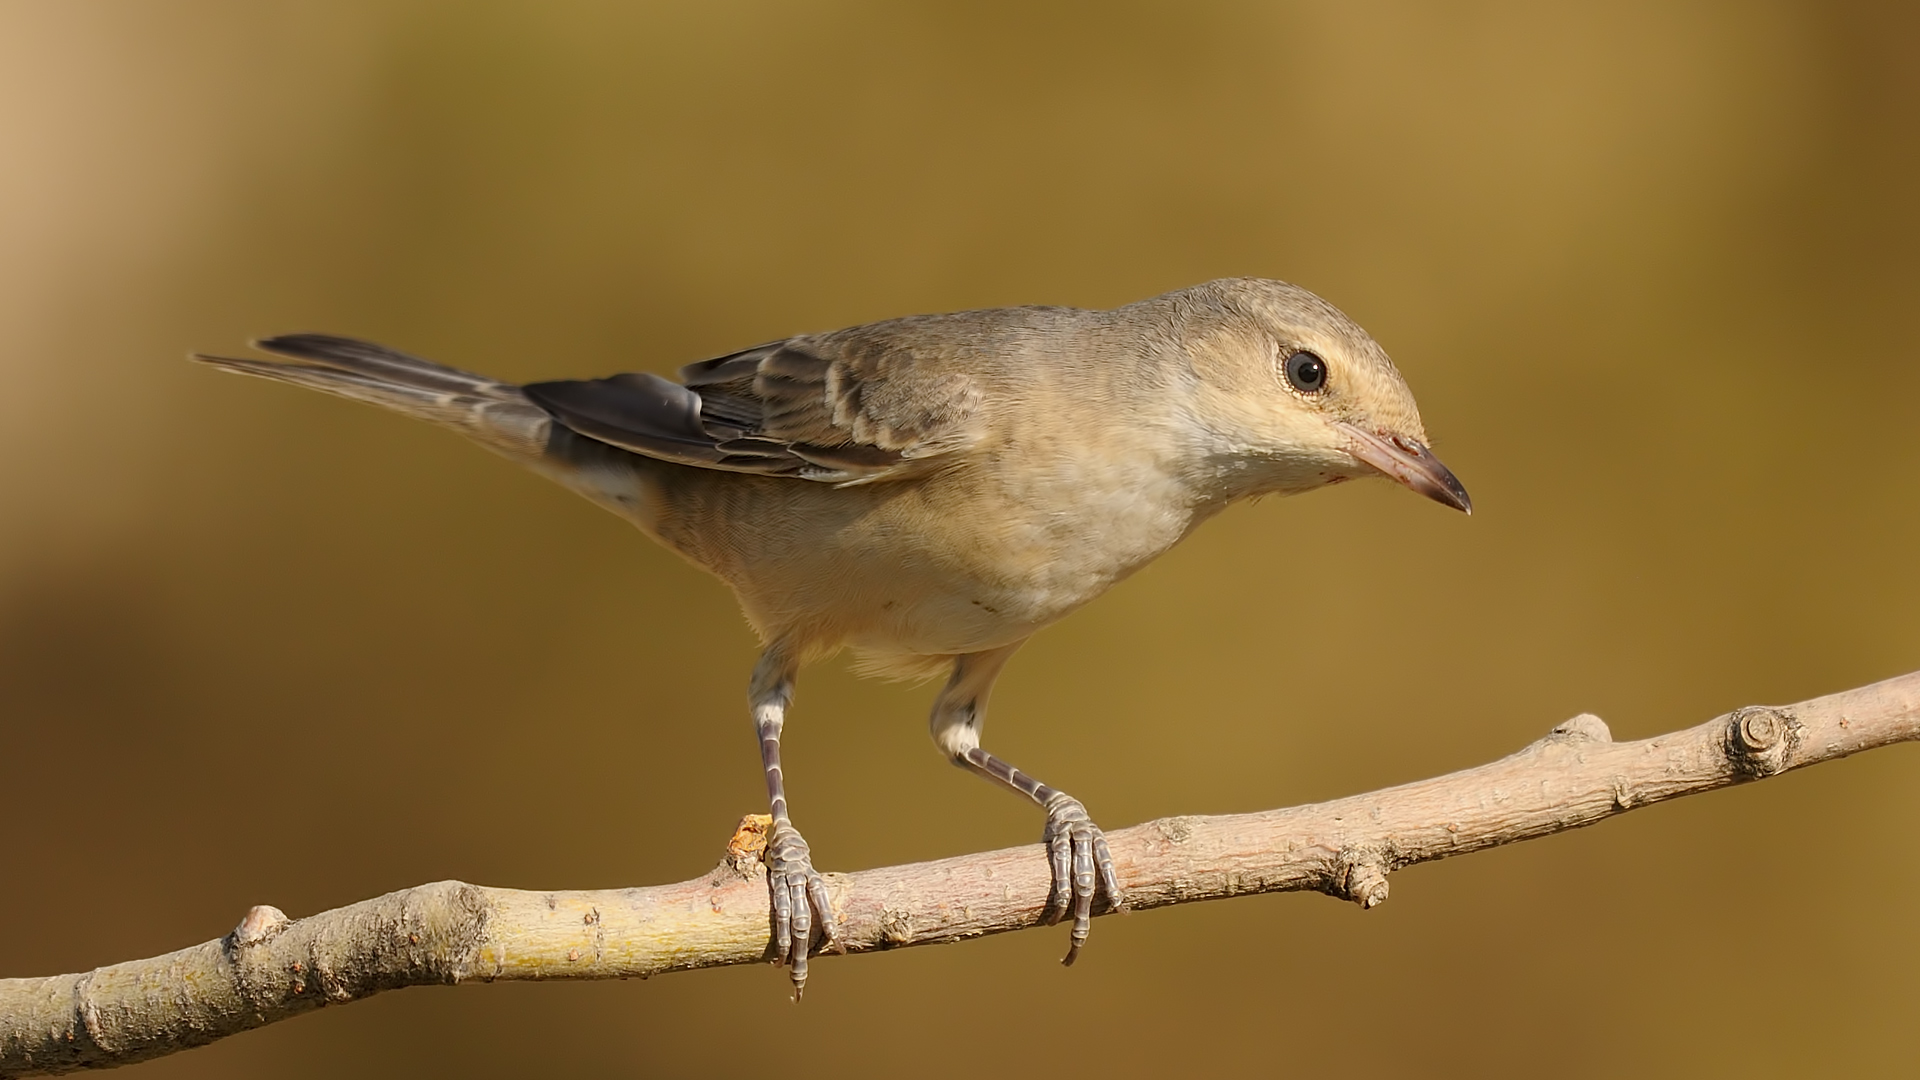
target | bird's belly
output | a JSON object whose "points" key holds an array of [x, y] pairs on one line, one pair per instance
{"points": [[890, 602], [907, 569], [946, 621]]}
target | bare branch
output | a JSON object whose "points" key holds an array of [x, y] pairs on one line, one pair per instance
{"points": [[270, 968]]}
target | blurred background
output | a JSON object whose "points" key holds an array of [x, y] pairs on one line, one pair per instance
{"points": [[1649, 267]]}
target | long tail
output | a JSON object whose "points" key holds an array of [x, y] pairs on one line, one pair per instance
{"points": [[495, 414]]}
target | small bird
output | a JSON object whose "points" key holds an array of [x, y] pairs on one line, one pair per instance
{"points": [[930, 491]]}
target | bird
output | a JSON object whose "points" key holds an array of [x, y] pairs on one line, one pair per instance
{"points": [[930, 491]]}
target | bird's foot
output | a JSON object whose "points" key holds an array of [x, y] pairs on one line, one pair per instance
{"points": [[1078, 852], [800, 904]]}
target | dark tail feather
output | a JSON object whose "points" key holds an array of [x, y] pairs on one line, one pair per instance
{"points": [[379, 362], [493, 413]]}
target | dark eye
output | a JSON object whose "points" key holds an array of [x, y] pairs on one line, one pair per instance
{"points": [[1307, 372]]}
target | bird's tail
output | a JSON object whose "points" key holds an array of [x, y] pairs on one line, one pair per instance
{"points": [[492, 413]]}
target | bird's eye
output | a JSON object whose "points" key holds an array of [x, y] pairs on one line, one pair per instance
{"points": [[1306, 372]]}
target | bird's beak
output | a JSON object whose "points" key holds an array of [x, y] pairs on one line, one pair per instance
{"points": [[1409, 463]]}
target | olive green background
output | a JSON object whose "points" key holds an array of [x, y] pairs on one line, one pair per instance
{"points": [[1650, 269]]}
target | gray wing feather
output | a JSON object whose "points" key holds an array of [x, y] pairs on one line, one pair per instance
{"points": [[847, 408]]}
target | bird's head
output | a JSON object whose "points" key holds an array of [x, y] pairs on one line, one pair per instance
{"points": [[1293, 395]]}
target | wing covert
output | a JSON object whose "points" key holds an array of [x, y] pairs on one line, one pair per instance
{"points": [[843, 408]]}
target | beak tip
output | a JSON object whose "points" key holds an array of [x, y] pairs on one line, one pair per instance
{"points": [[1410, 463]]}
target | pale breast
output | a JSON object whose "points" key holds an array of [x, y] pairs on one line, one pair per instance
{"points": [[968, 559]]}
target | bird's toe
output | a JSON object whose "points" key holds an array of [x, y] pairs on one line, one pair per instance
{"points": [[801, 908], [1082, 870]]}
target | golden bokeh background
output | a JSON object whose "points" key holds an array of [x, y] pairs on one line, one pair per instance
{"points": [[1650, 268]]}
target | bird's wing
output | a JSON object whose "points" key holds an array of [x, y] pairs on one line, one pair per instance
{"points": [[845, 408]]}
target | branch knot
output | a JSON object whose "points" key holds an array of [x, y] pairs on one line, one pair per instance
{"points": [[1583, 728], [1760, 740], [1360, 875], [261, 922]]}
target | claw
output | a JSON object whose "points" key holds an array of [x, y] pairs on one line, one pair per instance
{"points": [[1082, 870]]}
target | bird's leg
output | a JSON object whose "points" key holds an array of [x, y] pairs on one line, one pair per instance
{"points": [[798, 893], [1082, 866], [1075, 845]]}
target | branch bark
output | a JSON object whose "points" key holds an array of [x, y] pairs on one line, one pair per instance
{"points": [[270, 968]]}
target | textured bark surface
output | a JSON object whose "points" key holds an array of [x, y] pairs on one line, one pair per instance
{"points": [[270, 968]]}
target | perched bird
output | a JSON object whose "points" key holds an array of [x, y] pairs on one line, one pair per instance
{"points": [[932, 490]]}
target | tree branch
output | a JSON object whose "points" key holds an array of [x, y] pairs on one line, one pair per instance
{"points": [[270, 968]]}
